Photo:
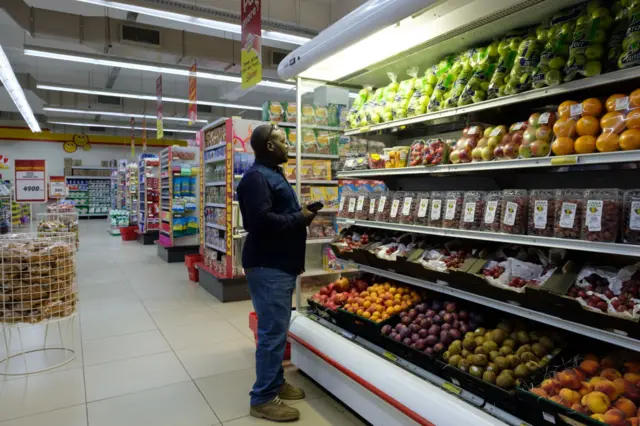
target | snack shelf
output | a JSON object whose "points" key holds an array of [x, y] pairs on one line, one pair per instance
{"points": [[211, 148], [218, 205], [215, 160], [443, 287], [149, 166], [88, 177], [215, 225], [217, 183], [379, 386], [215, 247], [568, 161], [315, 182], [90, 168], [569, 244]]}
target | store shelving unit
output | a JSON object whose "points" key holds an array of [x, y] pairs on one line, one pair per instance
{"points": [[132, 193], [92, 195], [149, 196], [179, 203], [382, 387]]}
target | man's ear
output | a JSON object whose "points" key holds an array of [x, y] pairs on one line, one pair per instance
{"points": [[270, 146]]}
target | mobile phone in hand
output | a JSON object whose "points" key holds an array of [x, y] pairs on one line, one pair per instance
{"points": [[315, 207]]}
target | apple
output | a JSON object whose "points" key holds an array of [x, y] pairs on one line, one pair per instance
{"points": [[517, 137], [465, 156], [465, 132], [544, 133], [487, 131], [500, 130], [506, 139], [525, 151], [529, 136], [494, 141], [533, 119], [498, 152], [511, 150], [540, 148], [470, 144], [487, 153], [454, 157], [476, 154], [482, 142]]}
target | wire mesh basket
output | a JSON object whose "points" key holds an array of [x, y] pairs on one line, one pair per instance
{"points": [[56, 222]]}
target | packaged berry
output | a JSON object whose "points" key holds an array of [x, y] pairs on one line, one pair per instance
{"points": [[514, 211], [416, 157], [384, 207], [407, 208], [542, 210], [396, 206], [421, 208], [631, 217], [601, 215], [374, 197], [492, 212], [472, 210], [436, 212], [350, 202], [436, 152], [569, 210], [362, 206], [453, 209], [344, 203]]}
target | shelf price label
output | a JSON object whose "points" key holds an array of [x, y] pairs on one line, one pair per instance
{"points": [[564, 160], [391, 357], [449, 387], [30, 181]]}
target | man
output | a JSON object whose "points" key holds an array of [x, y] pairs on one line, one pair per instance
{"points": [[273, 257]]}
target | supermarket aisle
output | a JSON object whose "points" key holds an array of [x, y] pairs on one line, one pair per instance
{"points": [[154, 349]]}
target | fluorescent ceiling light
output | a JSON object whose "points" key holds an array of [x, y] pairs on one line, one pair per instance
{"points": [[116, 114], [10, 82], [140, 96], [109, 61], [116, 126], [194, 20]]}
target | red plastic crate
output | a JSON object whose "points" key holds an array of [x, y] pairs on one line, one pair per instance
{"points": [[194, 274], [129, 233], [191, 259], [253, 325]]}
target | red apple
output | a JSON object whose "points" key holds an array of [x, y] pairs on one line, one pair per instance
{"points": [[498, 152], [517, 137], [533, 119], [540, 148], [544, 133], [454, 157], [465, 156], [511, 151], [529, 136]]}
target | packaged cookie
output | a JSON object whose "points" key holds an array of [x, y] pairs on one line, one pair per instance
{"points": [[453, 209], [421, 207], [472, 210], [514, 211], [570, 206], [308, 114], [407, 208], [542, 210], [631, 217], [601, 215], [492, 212], [436, 210]]}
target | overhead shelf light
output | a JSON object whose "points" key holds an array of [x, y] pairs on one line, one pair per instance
{"points": [[110, 61], [140, 96], [116, 114], [115, 126], [10, 82], [195, 20]]}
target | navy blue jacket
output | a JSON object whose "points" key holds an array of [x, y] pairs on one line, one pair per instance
{"points": [[272, 216]]}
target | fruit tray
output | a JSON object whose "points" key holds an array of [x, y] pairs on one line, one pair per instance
{"points": [[415, 356], [362, 327], [341, 254], [323, 312], [543, 411]]}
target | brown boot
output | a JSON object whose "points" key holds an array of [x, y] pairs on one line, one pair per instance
{"points": [[275, 410], [290, 392]]}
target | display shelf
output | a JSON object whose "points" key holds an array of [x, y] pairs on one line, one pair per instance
{"points": [[214, 160], [319, 240], [90, 168], [215, 225], [91, 196], [217, 183], [319, 272], [581, 245], [315, 156], [315, 182], [309, 126], [149, 168], [212, 246], [567, 161], [88, 177], [218, 205], [132, 185], [379, 386]]}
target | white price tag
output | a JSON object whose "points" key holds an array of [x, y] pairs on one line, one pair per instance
{"points": [[540, 213], [422, 209], [518, 125], [510, 211], [490, 212], [57, 189], [406, 206], [30, 181], [473, 130], [634, 216], [622, 104], [341, 204], [360, 203], [381, 203], [30, 189], [352, 205], [372, 206], [495, 132], [575, 110], [394, 207], [544, 118], [450, 211], [436, 209], [594, 215], [469, 212], [568, 215]]}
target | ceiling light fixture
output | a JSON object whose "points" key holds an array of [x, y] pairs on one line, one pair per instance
{"points": [[10, 82], [116, 114], [140, 96], [116, 126], [110, 61], [194, 20]]}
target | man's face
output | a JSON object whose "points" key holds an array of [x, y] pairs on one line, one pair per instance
{"points": [[278, 146]]}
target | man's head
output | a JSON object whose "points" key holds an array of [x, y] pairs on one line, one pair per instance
{"points": [[269, 144]]}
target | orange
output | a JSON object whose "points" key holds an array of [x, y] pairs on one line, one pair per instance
{"points": [[633, 119], [585, 144], [562, 146], [613, 121], [634, 99], [611, 101], [591, 107], [588, 126], [630, 139], [564, 109], [565, 127], [608, 141]]}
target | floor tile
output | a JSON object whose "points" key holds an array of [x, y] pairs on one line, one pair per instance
{"points": [[133, 375], [72, 416], [233, 308], [228, 393], [40, 393], [227, 356], [201, 335], [182, 317], [174, 405], [97, 327], [175, 303], [122, 347]]}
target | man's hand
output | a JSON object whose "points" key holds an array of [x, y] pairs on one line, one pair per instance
{"points": [[308, 215]]}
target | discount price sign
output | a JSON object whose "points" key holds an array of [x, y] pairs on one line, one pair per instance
{"points": [[30, 181]]}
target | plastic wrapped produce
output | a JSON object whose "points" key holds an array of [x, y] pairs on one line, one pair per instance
{"points": [[362, 206], [514, 211], [630, 56], [492, 211], [356, 112], [631, 217], [374, 197], [542, 208], [407, 208], [384, 207], [436, 209], [445, 78], [371, 110], [557, 40], [385, 105], [569, 210], [526, 61], [616, 38], [396, 206], [507, 50], [343, 208], [421, 208], [422, 92], [453, 209], [416, 157], [403, 95], [587, 50], [464, 62], [472, 210], [436, 152], [484, 64], [601, 215]]}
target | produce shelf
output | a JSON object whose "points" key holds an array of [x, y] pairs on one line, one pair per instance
{"points": [[319, 240], [381, 387], [319, 272], [309, 126], [572, 86], [562, 161], [581, 245], [315, 156], [443, 287]]}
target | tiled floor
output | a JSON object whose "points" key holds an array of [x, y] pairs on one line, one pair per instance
{"points": [[152, 349]]}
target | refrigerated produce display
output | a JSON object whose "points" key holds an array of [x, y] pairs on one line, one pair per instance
{"points": [[494, 221], [149, 198]]}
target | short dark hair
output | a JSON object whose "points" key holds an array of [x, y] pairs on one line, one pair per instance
{"points": [[259, 138]]}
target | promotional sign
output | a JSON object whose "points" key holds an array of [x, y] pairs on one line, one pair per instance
{"points": [[30, 181], [57, 187], [159, 114], [133, 138], [144, 135], [229, 181], [193, 88], [199, 138], [251, 43]]}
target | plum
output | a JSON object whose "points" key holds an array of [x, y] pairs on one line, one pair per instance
{"points": [[430, 340], [436, 305], [428, 350], [463, 315], [393, 335], [431, 313], [455, 333], [421, 344], [437, 320], [423, 333], [414, 328], [442, 313], [398, 338], [405, 332], [421, 308], [456, 324], [439, 347], [450, 307], [463, 328], [446, 326], [447, 318], [415, 337], [406, 320], [407, 341], [421, 317], [412, 314], [425, 323], [386, 330], [434, 330], [399, 326]]}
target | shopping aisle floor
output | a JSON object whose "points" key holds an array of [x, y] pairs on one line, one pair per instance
{"points": [[152, 349]]}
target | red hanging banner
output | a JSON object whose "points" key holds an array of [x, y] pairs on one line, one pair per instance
{"points": [[251, 43], [193, 89]]}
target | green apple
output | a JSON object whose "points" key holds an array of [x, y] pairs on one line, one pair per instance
{"points": [[592, 6], [503, 48], [479, 96], [594, 52], [484, 86], [553, 77], [427, 90], [593, 68], [515, 43], [493, 49], [600, 13], [557, 63], [599, 36], [502, 91], [583, 21], [432, 79]]}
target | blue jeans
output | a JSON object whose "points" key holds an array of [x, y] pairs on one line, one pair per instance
{"points": [[271, 291]]}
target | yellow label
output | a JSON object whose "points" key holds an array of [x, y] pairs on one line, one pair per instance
{"points": [[451, 388], [558, 161], [364, 129], [251, 66], [390, 356], [403, 127]]}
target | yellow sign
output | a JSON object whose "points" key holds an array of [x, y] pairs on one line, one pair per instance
{"points": [[251, 68], [159, 129]]}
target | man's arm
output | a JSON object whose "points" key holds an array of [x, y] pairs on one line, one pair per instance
{"points": [[258, 207]]}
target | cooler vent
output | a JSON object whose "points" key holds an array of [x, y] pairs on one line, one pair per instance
{"points": [[108, 100], [97, 129], [205, 109], [139, 35]]}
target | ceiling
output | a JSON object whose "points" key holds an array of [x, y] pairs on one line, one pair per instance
{"points": [[85, 28]]}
